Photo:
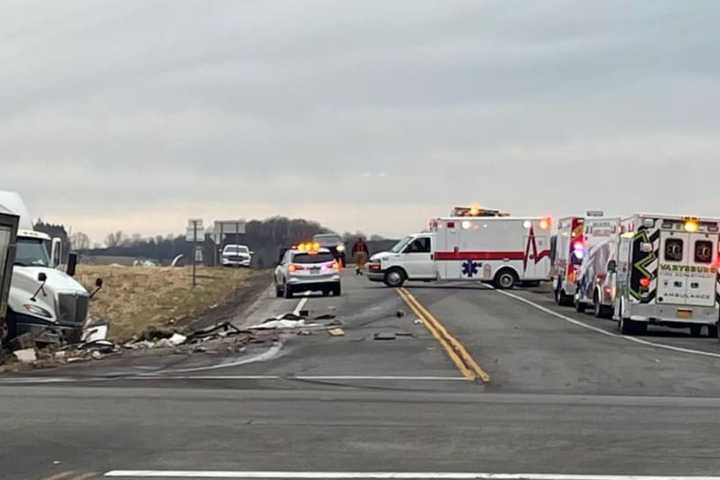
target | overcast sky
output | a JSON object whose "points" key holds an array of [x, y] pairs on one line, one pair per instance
{"points": [[363, 115]]}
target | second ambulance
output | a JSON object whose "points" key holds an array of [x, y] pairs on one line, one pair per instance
{"points": [[495, 248]]}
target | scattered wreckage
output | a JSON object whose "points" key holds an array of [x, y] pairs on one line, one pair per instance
{"points": [[94, 344]]}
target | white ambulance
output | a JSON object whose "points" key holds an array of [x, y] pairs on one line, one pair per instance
{"points": [[666, 273], [499, 249], [596, 247]]}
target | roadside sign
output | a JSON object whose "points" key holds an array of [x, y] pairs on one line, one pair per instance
{"points": [[222, 228], [190, 234], [195, 230], [198, 254]]}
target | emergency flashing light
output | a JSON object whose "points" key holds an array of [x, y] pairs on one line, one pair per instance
{"points": [[691, 226], [645, 282], [545, 223], [527, 224], [466, 224]]}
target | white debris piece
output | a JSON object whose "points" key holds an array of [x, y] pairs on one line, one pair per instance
{"points": [[336, 332], [26, 355], [95, 333], [273, 324], [178, 339]]}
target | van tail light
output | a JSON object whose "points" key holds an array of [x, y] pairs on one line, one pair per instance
{"points": [[295, 267], [645, 282]]}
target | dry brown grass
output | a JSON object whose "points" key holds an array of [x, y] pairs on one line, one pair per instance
{"points": [[133, 298]]}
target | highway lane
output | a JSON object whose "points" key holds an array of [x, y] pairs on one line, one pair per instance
{"points": [[562, 399], [525, 349]]}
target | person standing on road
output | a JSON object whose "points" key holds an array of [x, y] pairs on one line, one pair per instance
{"points": [[360, 254]]}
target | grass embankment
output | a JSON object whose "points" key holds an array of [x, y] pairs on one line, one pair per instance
{"points": [[134, 298]]}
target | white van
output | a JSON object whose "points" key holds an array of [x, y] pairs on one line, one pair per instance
{"points": [[503, 250]]}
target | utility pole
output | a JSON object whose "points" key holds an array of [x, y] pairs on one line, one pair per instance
{"points": [[194, 253]]}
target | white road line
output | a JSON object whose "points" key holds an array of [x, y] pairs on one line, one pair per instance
{"points": [[609, 334], [380, 377], [301, 304], [388, 475]]}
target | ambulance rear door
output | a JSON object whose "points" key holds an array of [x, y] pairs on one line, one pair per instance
{"points": [[702, 275]]}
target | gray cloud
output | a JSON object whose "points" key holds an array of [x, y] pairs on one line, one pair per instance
{"points": [[363, 115]]}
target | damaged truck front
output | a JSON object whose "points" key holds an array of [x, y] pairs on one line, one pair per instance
{"points": [[43, 300]]}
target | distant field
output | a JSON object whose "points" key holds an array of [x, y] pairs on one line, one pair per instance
{"points": [[133, 298]]}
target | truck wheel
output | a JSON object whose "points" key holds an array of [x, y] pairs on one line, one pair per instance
{"points": [[505, 279], [287, 291], [695, 330], [712, 331], [394, 278]]}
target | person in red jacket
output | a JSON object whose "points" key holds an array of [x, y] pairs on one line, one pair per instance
{"points": [[360, 254]]}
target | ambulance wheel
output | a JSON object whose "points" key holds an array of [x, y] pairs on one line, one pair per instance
{"points": [[278, 291], [505, 279], [287, 291], [695, 330], [601, 311], [336, 290], [394, 278], [562, 298], [631, 327], [580, 306], [712, 331]]}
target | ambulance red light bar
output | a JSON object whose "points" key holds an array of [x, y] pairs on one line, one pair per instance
{"points": [[645, 282]]}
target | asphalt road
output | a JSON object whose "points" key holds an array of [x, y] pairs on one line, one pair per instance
{"points": [[566, 395]]}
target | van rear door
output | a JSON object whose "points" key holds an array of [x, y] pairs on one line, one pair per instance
{"points": [[702, 276]]}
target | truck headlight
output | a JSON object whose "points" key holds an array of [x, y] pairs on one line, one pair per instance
{"points": [[341, 248], [36, 310]]}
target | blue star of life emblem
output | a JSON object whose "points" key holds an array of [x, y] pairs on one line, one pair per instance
{"points": [[469, 268]]}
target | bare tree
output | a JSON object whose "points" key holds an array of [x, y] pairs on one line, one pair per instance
{"points": [[79, 241], [114, 239]]}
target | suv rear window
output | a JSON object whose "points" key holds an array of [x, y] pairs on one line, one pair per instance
{"points": [[703, 251], [305, 258], [674, 250]]}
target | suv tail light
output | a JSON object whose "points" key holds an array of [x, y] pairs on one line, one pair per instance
{"points": [[295, 267]]}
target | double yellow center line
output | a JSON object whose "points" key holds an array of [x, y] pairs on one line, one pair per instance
{"points": [[455, 350]]}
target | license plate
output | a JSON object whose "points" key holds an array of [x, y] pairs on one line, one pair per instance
{"points": [[685, 314]]}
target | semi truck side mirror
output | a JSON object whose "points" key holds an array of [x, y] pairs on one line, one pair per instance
{"points": [[42, 278], [56, 252], [72, 264], [98, 286]]}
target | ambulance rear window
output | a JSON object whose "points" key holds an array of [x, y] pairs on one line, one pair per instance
{"points": [[674, 250], [703, 251]]}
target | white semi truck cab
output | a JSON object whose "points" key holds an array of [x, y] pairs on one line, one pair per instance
{"points": [[43, 300]]}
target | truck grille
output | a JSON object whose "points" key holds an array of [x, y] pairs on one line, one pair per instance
{"points": [[72, 308]]}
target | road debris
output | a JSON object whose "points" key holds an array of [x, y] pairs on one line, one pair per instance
{"points": [[417, 321], [278, 324], [384, 336], [399, 314], [336, 332], [95, 331], [26, 355]]}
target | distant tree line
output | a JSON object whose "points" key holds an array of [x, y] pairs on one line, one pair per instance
{"points": [[265, 237]]}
